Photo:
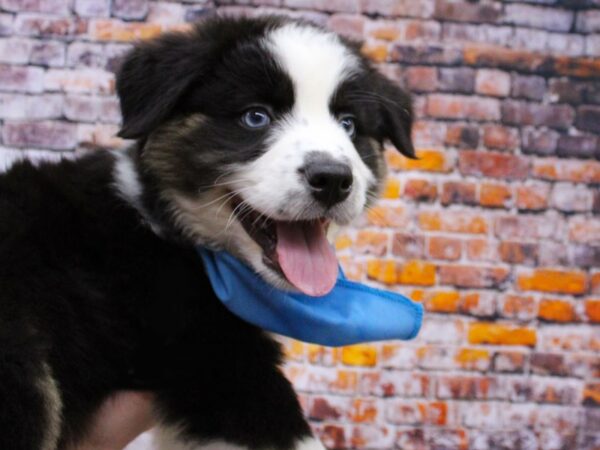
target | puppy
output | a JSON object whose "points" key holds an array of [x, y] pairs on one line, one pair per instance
{"points": [[252, 135]]}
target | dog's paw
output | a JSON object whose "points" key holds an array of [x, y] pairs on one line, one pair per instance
{"points": [[310, 443]]}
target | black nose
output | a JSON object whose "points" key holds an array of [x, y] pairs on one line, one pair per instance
{"points": [[330, 181]]}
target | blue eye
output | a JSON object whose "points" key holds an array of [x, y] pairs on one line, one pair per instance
{"points": [[348, 124], [256, 118]]}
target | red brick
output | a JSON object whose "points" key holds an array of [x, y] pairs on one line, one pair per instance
{"points": [[526, 227], [387, 216], [533, 196], [372, 242], [492, 82], [466, 12], [588, 118], [506, 361], [421, 79], [539, 141], [518, 307], [349, 25], [472, 276], [48, 26], [481, 250], [558, 281], [467, 387], [425, 53], [548, 364], [457, 80], [524, 113], [493, 164], [399, 8], [494, 195], [585, 230], [453, 221], [528, 87], [43, 134], [539, 17], [462, 136], [408, 245], [444, 248], [462, 107], [458, 192], [519, 253], [417, 412], [21, 79], [567, 170], [499, 137], [420, 190]]}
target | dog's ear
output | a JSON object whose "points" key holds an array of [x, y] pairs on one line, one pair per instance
{"points": [[396, 114], [153, 78]]}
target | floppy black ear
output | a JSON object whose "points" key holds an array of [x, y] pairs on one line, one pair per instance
{"points": [[153, 78], [396, 115]]}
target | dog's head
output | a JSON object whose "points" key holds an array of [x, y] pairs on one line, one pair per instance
{"points": [[256, 134]]}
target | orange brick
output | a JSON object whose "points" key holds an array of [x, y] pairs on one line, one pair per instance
{"points": [[112, 30], [533, 197], [345, 381], [472, 358], [556, 310], [372, 242], [497, 136], [420, 190], [592, 310], [454, 221], [383, 271], [363, 411], [434, 413], [442, 301], [385, 32], [417, 272], [342, 242], [375, 51], [428, 161], [498, 334], [591, 394], [359, 355], [559, 281], [596, 283], [494, 195], [391, 190], [294, 349], [445, 248]]}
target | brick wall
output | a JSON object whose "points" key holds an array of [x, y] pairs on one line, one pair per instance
{"points": [[496, 228]]}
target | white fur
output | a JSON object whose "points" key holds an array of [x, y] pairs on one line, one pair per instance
{"points": [[126, 179], [129, 188], [317, 63], [53, 404], [167, 438]]}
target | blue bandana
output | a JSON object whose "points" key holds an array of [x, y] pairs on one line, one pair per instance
{"points": [[349, 314]]}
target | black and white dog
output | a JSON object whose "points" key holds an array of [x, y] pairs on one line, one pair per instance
{"points": [[252, 135]]}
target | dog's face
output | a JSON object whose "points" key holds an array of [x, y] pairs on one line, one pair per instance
{"points": [[257, 134]]}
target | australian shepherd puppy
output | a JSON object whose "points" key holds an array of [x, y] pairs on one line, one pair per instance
{"points": [[253, 136]]}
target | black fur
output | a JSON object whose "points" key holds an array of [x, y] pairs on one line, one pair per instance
{"points": [[92, 298]]}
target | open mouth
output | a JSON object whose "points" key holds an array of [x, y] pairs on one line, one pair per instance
{"points": [[296, 250]]}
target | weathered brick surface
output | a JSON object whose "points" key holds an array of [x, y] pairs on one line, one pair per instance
{"points": [[495, 228]]}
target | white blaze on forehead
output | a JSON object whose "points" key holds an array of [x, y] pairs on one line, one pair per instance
{"points": [[316, 61]]}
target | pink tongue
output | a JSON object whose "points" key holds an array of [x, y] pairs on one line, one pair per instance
{"points": [[306, 258]]}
